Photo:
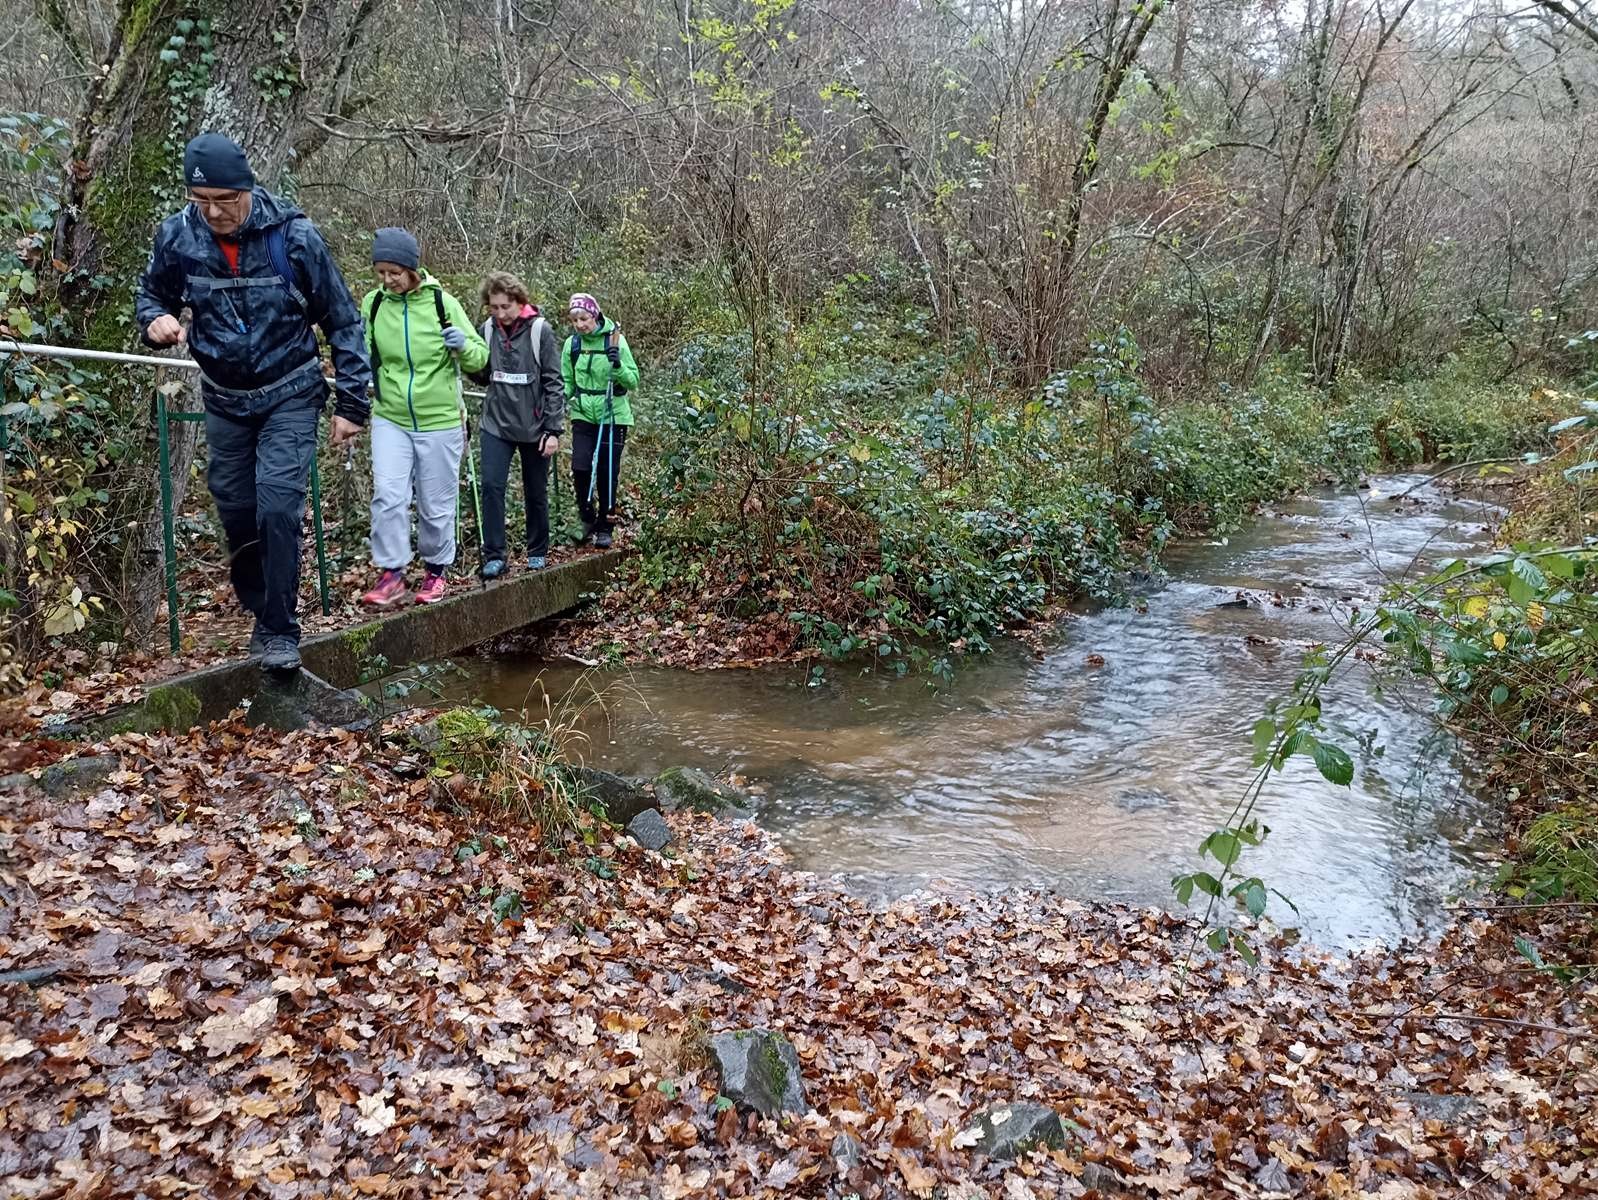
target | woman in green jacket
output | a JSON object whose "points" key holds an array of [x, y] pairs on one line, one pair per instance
{"points": [[420, 339], [599, 372]]}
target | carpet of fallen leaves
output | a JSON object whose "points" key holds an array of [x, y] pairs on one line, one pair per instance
{"points": [[270, 965]]}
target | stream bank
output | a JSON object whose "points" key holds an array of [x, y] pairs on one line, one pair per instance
{"points": [[269, 964]]}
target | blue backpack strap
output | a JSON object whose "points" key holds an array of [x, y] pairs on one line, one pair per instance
{"points": [[277, 251]]}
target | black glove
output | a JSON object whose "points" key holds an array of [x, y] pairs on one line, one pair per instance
{"points": [[613, 352]]}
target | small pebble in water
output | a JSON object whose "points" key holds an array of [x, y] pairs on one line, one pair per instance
{"points": [[1141, 799]]}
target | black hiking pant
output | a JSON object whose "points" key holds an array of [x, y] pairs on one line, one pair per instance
{"points": [[497, 453], [598, 475], [260, 446]]}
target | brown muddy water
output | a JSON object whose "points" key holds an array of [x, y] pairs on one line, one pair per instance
{"points": [[1100, 781]]}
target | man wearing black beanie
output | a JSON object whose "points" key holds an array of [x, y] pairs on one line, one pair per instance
{"points": [[256, 277]]}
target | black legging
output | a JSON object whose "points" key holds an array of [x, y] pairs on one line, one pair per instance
{"points": [[597, 511], [497, 454]]}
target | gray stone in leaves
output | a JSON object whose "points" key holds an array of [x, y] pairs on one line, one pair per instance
{"points": [[1441, 1106], [649, 830], [1011, 1130], [1098, 1177], [77, 773], [688, 787], [846, 1152], [759, 1071]]}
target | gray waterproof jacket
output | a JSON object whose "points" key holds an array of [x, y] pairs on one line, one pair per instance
{"points": [[526, 400]]}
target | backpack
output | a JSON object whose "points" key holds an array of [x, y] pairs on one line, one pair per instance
{"points": [[538, 337], [277, 252], [574, 348], [371, 323]]}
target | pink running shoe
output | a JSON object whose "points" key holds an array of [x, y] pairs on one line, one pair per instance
{"points": [[390, 589], [432, 589]]}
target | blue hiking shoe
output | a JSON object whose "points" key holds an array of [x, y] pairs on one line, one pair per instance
{"points": [[602, 541], [536, 562], [493, 568]]}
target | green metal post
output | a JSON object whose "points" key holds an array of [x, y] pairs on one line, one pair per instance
{"points": [[321, 543], [169, 542]]}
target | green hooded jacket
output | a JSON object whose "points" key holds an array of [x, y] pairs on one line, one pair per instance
{"points": [[412, 371], [586, 379]]}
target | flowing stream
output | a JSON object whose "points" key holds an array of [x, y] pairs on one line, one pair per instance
{"points": [[1100, 780]]}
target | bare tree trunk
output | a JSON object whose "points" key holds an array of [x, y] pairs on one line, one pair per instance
{"points": [[1184, 34], [1124, 43]]}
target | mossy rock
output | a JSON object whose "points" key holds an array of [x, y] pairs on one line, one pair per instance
{"points": [[689, 787], [425, 736], [170, 709], [80, 774], [622, 799], [759, 1071]]}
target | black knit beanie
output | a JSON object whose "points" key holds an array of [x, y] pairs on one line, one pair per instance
{"points": [[215, 161]]}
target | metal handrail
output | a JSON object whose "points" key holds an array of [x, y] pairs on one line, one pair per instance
{"points": [[40, 350], [163, 416]]}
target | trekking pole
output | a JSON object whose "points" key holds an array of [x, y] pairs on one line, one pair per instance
{"points": [[599, 440], [610, 477], [559, 522]]}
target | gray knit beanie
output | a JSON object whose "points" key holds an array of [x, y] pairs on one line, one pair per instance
{"points": [[397, 246]]}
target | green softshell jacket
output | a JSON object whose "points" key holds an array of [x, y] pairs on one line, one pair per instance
{"points": [[585, 382], [414, 374]]}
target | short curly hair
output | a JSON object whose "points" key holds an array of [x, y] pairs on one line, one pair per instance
{"points": [[505, 284]]}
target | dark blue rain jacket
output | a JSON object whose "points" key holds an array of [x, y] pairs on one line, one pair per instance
{"points": [[253, 328]]}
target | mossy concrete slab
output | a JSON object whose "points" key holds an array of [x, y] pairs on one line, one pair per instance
{"points": [[335, 661], [473, 614]]}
